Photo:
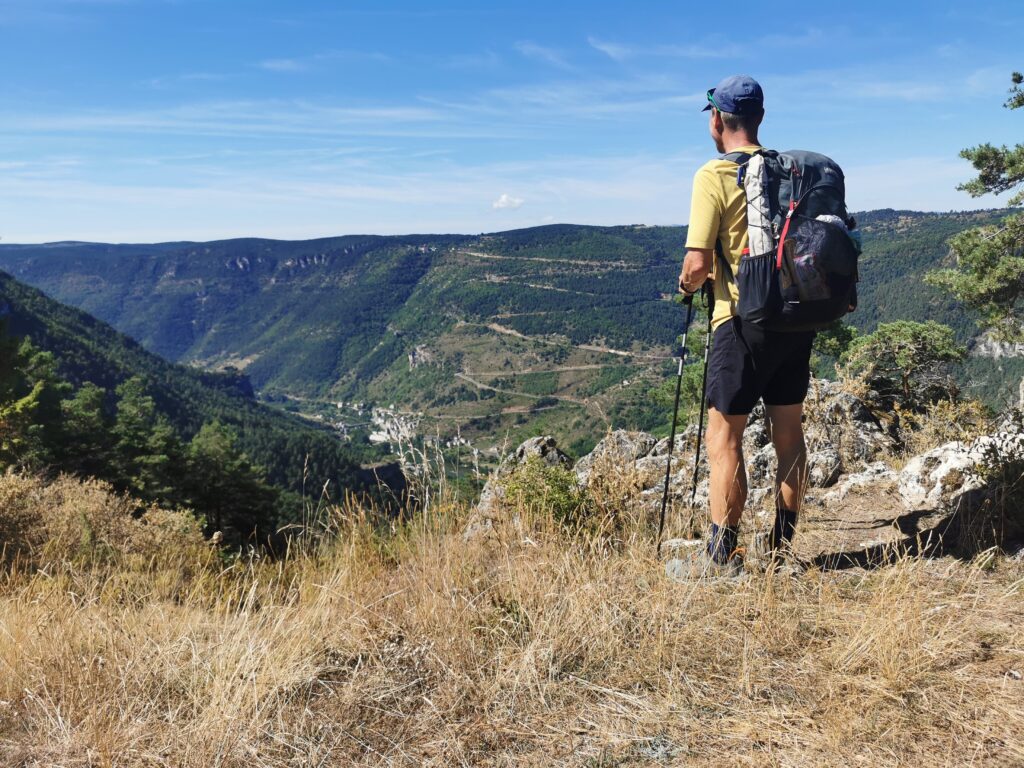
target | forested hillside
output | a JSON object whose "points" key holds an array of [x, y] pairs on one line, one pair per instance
{"points": [[102, 372], [496, 334]]}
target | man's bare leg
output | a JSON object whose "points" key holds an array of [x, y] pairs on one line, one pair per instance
{"points": [[787, 433], [728, 483]]}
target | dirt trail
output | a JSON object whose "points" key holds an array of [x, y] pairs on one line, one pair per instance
{"points": [[505, 330], [575, 262], [561, 369], [481, 385]]}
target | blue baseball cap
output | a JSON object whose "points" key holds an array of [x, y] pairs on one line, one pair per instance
{"points": [[738, 95]]}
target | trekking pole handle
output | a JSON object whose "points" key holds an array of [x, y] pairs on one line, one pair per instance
{"points": [[688, 303]]}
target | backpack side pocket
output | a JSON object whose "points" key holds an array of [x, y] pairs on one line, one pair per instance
{"points": [[758, 285]]}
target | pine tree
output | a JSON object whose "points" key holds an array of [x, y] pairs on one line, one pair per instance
{"points": [[989, 273], [86, 448], [30, 395], [148, 454], [907, 363], [225, 487]]}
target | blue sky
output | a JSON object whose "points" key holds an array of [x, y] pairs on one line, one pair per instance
{"points": [[143, 120]]}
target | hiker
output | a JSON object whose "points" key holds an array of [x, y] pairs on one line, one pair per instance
{"points": [[747, 362]]}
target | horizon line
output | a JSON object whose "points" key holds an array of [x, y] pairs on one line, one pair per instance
{"points": [[66, 242]]}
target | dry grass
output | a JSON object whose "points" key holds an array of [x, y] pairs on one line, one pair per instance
{"points": [[944, 422], [540, 648]]}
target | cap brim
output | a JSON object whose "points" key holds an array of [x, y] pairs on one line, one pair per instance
{"points": [[710, 103]]}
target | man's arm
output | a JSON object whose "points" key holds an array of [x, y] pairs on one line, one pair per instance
{"points": [[696, 269], [706, 204]]}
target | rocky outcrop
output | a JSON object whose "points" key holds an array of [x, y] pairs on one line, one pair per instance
{"points": [[943, 499], [824, 467], [974, 490], [421, 355], [488, 508], [836, 419], [620, 445]]}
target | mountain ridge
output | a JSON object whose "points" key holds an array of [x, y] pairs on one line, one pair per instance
{"points": [[409, 320]]}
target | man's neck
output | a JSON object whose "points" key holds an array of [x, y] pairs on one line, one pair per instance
{"points": [[734, 141]]}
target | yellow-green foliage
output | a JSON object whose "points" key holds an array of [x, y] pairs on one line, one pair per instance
{"points": [[546, 488], [942, 422]]}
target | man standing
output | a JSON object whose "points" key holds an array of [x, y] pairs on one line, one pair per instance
{"points": [[747, 363]]}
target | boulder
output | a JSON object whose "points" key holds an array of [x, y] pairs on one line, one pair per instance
{"points": [[684, 442], [824, 467], [761, 466], [929, 480], [838, 419], [965, 486], [950, 499], [618, 447], [755, 436]]}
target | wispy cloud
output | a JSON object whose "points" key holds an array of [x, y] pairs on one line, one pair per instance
{"points": [[506, 201], [284, 65], [169, 81], [306, 63], [485, 60], [621, 51], [268, 118], [712, 47], [605, 99], [882, 86], [542, 54], [615, 51]]}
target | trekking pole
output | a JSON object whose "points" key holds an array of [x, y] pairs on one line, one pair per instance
{"points": [[688, 301], [709, 304]]}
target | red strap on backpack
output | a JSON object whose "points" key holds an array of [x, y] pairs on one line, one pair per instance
{"points": [[785, 231]]}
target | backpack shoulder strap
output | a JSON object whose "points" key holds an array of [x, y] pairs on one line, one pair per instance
{"points": [[739, 158], [724, 262]]}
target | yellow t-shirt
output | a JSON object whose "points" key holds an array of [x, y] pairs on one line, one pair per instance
{"points": [[718, 210]]}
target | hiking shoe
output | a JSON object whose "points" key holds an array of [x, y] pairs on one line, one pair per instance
{"points": [[781, 560], [698, 564]]}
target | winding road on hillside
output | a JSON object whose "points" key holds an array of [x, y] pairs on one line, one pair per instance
{"points": [[545, 260], [505, 330], [480, 385]]}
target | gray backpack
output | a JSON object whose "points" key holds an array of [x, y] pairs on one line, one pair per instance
{"points": [[799, 272]]}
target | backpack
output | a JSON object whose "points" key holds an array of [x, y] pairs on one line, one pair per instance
{"points": [[799, 272]]}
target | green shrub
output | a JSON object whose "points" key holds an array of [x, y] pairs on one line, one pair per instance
{"points": [[550, 489]]}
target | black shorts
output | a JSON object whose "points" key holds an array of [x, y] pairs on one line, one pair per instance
{"points": [[748, 363]]}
